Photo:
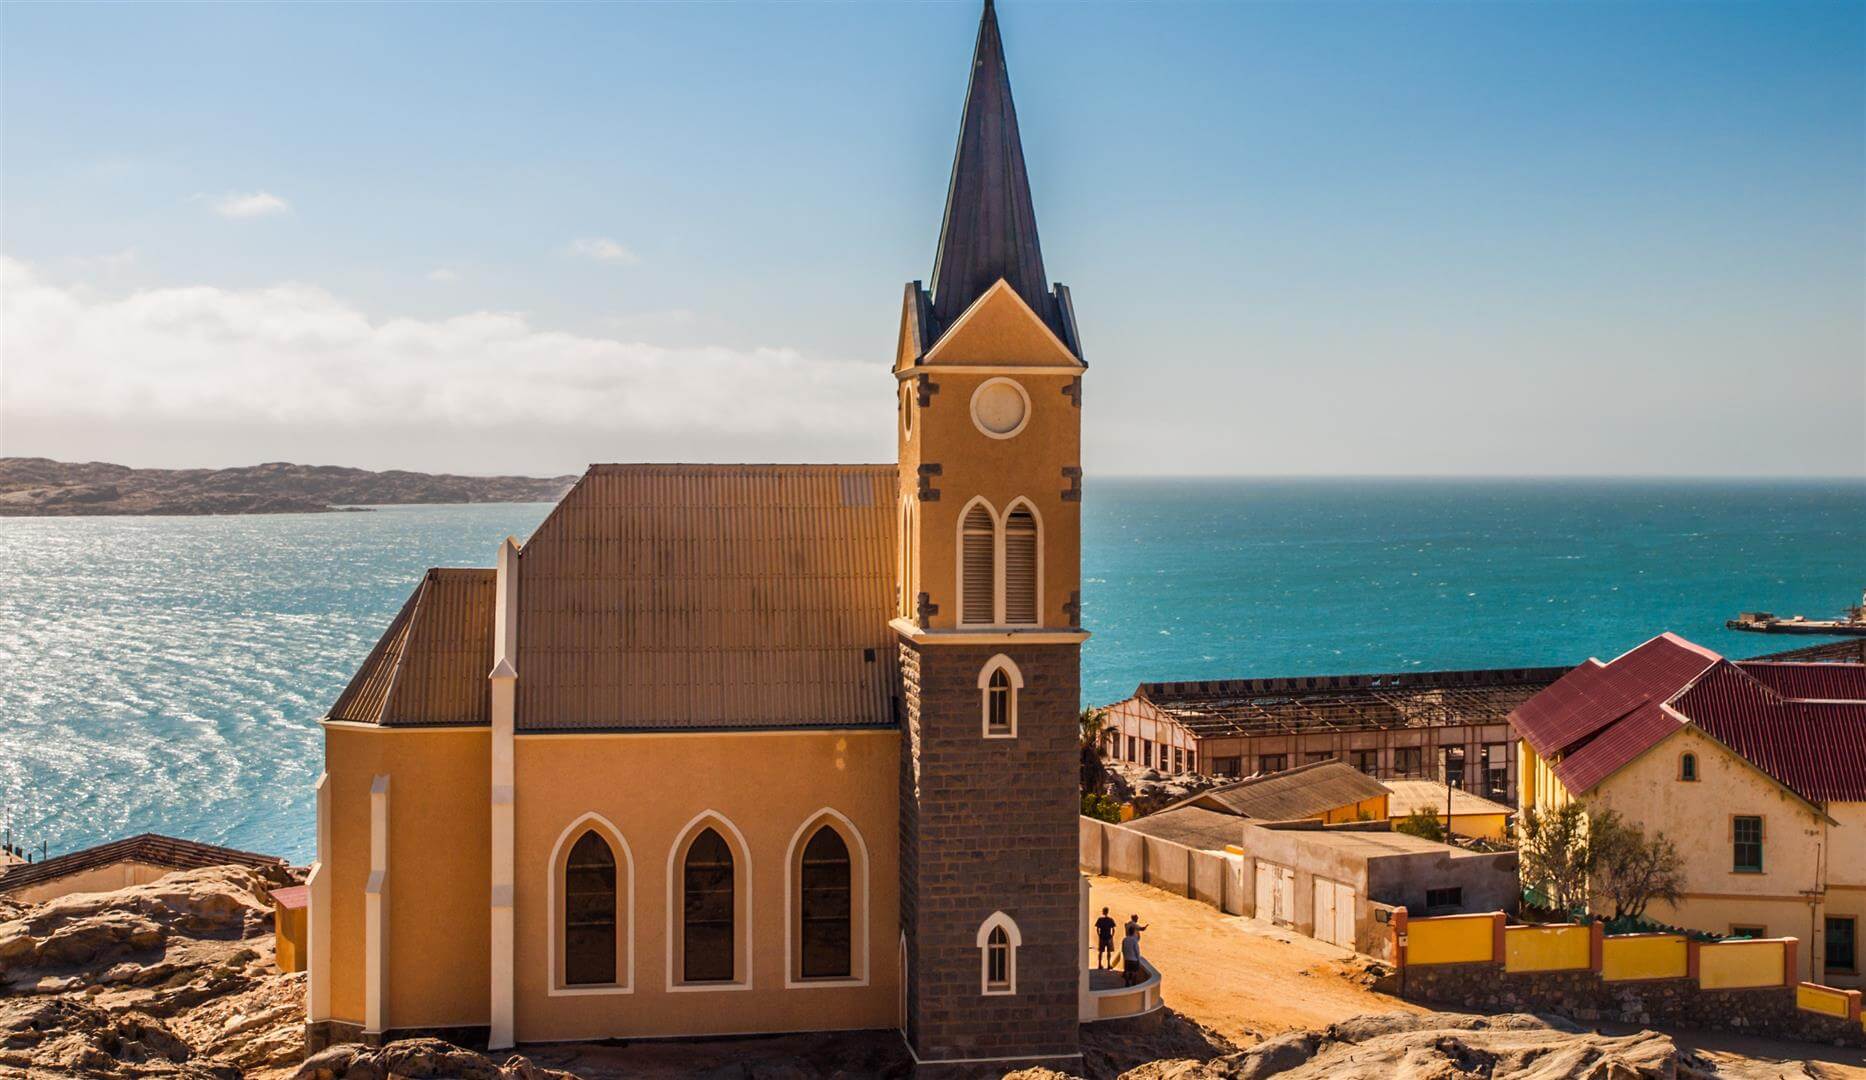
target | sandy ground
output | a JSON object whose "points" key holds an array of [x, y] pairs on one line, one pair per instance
{"points": [[1242, 978], [1248, 980]]}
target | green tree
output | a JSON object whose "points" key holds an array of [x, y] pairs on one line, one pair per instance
{"points": [[1101, 807], [1556, 856], [1094, 775], [1630, 870], [1422, 823]]}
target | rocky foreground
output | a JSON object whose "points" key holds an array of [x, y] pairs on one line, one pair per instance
{"points": [[177, 979], [40, 487]]}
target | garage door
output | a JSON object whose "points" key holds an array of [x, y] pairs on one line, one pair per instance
{"points": [[1334, 913], [1276, 893]]}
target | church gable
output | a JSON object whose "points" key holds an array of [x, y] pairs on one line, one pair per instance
{"points": [[675, 597], [1000, 328]]}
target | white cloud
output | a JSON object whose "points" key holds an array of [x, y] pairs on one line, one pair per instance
{"points": [[252, 205], [293, 359], [444, 274], [602, 249]]}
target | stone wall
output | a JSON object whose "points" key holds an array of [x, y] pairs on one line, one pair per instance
{"points": [[990, 825], [1585, 996]]}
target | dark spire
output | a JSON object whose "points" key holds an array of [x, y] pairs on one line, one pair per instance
{"points": [[990, 229]]}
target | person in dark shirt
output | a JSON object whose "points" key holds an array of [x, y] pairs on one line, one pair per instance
{"points": [[1104, 940]]}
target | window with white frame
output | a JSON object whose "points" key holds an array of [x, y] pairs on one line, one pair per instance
{"points": [[1020, 566], [978, 541], [998, 684], [998, 941]]}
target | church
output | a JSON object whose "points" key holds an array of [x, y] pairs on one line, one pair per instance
{"points": [[737, 749]]}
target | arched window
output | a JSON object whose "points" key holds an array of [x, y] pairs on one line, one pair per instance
{"points": [[998, 684], [998, 941], [825, 907], [708, 908], [1020, 566], [978, 544], [590, 912], [1688, 766]]}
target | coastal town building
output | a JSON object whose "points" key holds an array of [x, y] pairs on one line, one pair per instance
{"points": [[1460, 811], [1418, 725], [728, 749], [1755, 769], [1326, 791], [119, 864], [1336, 883]]}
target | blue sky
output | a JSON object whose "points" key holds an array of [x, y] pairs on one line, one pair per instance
{"points": [[1302, 238]]}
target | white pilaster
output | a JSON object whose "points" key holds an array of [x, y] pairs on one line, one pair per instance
{"points": [[504, 677], [317, 995], [376, 912]]}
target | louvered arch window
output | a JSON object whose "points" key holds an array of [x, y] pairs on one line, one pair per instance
{"points": [[977, 554], [1020, 567]]}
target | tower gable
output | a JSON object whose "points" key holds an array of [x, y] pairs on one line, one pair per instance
{"points": [[1000, 328]]}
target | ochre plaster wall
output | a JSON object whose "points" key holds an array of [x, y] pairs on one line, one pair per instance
{"points": [[439, 874], [1846, 890], [1029, 464], [650, 786], [1696, 815]]}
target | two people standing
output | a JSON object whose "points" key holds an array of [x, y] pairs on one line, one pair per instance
{"points": [[1131, 969]]}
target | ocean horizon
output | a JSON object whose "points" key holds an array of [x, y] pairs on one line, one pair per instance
{"points": [[166, 674]]}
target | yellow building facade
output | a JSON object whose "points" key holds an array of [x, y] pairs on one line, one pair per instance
{"points": [[744, 749], [1758, 791]]}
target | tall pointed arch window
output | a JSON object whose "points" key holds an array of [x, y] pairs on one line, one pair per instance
{"points": [[1020, 566], [978, 544], [590, 912], [826, 908], [708, 909]]}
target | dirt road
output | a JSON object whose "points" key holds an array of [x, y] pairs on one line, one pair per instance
{"points": [[1237, 976]]}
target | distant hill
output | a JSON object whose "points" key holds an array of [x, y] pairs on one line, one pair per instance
{"points": [[40, 487]]}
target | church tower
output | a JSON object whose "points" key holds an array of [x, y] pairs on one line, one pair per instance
{"points": [[990, 403]]}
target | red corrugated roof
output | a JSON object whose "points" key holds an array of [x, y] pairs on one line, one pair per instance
{"points": [[1810, 682], [1803, 724], [1593, 696], [292, 896]]}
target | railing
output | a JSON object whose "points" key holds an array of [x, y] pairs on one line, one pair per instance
{"points": [[1118, 1002]]}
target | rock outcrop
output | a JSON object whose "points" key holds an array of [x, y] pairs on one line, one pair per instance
{"points": [[42, 487], [177, 979], [173, 978]]}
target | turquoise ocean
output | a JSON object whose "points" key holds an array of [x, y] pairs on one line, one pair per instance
{"points": [[167, 674]]}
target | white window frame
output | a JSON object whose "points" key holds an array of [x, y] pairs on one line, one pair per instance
{"points": [[793, 905], [1003, 562], [625, 899], [997, 920], [1005, 664], [979, 393], [997, 562], [676, 881]]}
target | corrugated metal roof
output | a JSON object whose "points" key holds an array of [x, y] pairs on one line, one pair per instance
{"points": [[1293, 794], [430, 666], [1594, 695], [1193, 826], [711, 596], [1601, 716], [152, 848], [1411, 795], [1810, 681], [1817, 751], [1345, 702]]}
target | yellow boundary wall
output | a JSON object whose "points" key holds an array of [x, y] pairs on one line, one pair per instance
{"points": [[1719, 965], [1630, 957], [1547, 948]]}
